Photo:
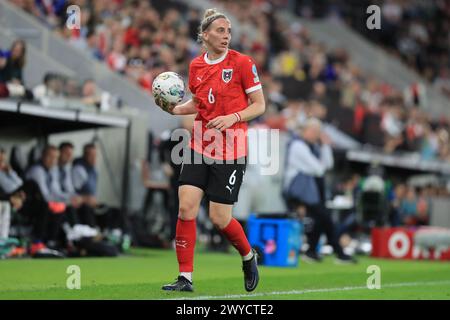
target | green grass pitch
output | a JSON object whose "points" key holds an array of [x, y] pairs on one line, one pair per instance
{"points": [[140, 275]]}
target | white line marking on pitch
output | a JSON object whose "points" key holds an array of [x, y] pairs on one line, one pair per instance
{"points": [[261, 294]]}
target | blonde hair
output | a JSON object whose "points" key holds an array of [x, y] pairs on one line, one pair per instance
{"points": [[209, 16]]}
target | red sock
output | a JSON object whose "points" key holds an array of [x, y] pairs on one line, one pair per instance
{"points": [[185, 243], [236, 235]]}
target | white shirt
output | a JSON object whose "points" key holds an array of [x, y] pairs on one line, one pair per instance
{"points": [[48, 183], [9, 181], [301, 159]]}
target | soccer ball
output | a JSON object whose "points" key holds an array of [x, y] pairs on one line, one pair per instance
{"points": [[169, 87]]}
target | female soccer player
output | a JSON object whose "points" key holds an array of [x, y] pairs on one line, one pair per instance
{"points": [[226, 94]]}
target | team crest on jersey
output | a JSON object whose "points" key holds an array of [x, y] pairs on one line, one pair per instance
{"points": [[227, 74]]}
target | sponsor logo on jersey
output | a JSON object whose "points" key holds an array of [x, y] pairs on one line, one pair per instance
{"points": [[227, 74]]}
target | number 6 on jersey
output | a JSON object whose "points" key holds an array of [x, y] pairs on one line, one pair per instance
{"points": [[211, 98]]}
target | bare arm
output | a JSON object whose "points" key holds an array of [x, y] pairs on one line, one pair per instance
{"points": [[186, 108], [256, 108], [181, 109]]}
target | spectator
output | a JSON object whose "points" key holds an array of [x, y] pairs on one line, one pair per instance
{"points": [[5, 219], [308, 157], [81, 227], [423, 207], [10, 184], [116, 59], [393, 127], [135, 70], [90, 93], [348, 217], [9, 179], [45, 175], [52, 86], [12, 68], [51, 10], [408, 207], [9, 197], [395, 204], [72, 88], [65, 173], [11, 72], [415, 207], [430, 144], [442, 82], [85, 176], [92, 46]]}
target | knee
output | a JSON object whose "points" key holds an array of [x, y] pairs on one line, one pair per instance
{"points": [[187, 210], [220, 221]]}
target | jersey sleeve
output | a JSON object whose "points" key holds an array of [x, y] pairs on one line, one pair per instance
{"points": [[250, 78]]}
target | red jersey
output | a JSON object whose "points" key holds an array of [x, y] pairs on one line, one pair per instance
{"points": [[221, 87]]}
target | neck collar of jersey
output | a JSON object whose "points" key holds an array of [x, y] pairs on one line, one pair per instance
{"points": [[218, 60]]}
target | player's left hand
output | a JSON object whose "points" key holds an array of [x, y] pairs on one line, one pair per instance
{"points": [[222, 122]]}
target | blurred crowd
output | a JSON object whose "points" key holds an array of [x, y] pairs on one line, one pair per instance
{"points": [[138, 39], [416, 31], [302, 78], [53, 86], [403, 203]]}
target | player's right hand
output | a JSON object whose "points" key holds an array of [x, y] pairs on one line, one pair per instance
{"points": [[164, 105]]}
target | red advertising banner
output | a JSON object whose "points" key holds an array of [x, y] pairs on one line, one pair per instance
{"points": [[399, 243]]}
